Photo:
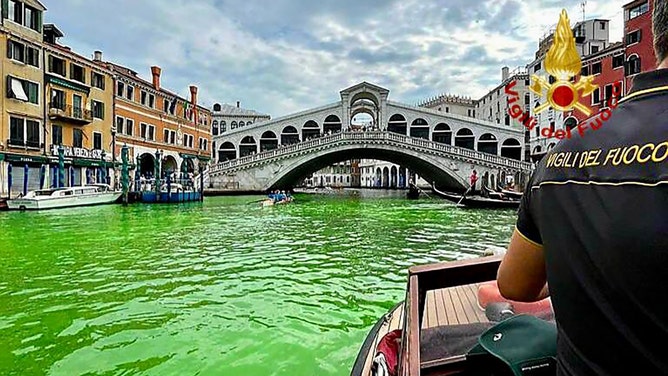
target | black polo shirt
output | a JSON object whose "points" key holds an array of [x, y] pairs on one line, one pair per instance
{"points": [[598, 203]]}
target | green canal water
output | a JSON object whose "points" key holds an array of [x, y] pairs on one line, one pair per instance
{"points": [[221, 287]]}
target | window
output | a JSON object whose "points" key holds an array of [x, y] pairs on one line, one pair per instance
{"points": [[97, 141], [98, 109], [143, 97], [129, 127], [638, 10], [507, 119], [16, 131], [447, 109], [77, 73], [56, 135], [233, 125], [142, 130], [602, 24], [617, 61], [608, 92], [130, 93], [15, 51], [594, 49], [22, 90], [596, 68], [165, 136], [633, 65], [97, 80], [151, 132], [120, 89], [20, 52], [120, 122], [57, 99], [77, 138], [15, 11], [165, 105], [633, 37], [172, 138], [223, 126], [32, 19], [596, 96], [469, 112], [57, 66], [585, 70], [151, 100]]}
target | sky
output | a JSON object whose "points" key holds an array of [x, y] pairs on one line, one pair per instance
{"points": [[283, 56]]}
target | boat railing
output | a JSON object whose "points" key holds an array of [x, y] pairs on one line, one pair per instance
{"points": [[422, 279]]}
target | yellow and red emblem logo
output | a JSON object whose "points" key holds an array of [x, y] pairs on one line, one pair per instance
{"points": [[563, 63]]}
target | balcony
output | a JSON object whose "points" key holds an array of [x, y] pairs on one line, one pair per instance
{"points": [[66, 112]]}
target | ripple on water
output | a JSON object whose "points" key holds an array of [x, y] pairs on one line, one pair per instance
{"points": [[219, 287]]}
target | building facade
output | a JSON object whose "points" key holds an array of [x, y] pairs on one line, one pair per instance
{"points": [[79, 96], [226, 117], [451, 104], [165, 133], [638, 39], [23, 155]]}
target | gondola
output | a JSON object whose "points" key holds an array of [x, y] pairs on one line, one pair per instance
{"points": [[512, 194], [436, 329], [477, 201]]}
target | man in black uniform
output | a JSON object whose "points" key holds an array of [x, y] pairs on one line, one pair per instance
{"points": [[593, 224]]}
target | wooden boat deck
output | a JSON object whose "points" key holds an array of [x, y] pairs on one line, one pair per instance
{"points": [[448, 306]]}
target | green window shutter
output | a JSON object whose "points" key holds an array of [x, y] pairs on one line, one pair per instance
{"points": [[102, 110], [39, 21], [9, 49], [5, 9]]}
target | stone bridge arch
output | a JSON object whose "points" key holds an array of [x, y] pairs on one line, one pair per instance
{"points": [[431, 167]]}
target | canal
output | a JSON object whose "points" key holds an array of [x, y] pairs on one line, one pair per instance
{"points": [[222, 287]]}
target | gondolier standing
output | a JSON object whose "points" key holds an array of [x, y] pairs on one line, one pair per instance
{"points": [[473, 179], [596, 231]]}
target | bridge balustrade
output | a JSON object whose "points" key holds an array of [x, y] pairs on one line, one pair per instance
{"points": [[372, 136]]}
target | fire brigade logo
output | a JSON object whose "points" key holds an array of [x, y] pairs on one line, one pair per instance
{"points": [[563, 63]]}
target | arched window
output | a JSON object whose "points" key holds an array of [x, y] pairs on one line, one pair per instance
{"points": [[223, 126], [214, 127], [241, 124], [216, 107], [233, 125]]}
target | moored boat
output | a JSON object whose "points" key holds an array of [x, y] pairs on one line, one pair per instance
{"points": [[95, 194], [512, 194], [478, 202], [435, 330]]}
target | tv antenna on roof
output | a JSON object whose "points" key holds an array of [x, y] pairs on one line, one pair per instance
{"points": [[584, 5]]}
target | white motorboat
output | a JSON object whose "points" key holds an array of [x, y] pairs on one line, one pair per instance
{"points": [[94, 194]]}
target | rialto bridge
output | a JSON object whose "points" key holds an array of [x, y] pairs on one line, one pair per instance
{"points": [[442, 147]]}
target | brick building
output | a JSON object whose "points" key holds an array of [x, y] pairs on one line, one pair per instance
{"points": [[638, 38], [158, 126]]}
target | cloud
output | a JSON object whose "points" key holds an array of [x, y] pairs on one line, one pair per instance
{"points": [[283, 56]]}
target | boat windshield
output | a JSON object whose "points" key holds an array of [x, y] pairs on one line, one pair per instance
{"points": [[46, 192]]}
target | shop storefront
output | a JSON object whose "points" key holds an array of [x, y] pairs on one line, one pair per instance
{"points": [[21, 173]]}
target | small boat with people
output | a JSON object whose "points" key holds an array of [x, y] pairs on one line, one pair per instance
{"points": [[478, 202], [277, 198], [93, 194], [450, 323]]}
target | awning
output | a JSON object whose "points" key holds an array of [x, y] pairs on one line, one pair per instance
{"points": [[80, 162], [17, 90], [25, 158], [67, 84]]}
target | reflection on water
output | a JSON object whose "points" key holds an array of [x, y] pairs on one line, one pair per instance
{"points": [[223, 287]]}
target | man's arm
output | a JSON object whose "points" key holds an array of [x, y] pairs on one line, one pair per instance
{"points": [[521, 276]]}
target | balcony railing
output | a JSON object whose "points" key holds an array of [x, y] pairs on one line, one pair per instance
{"points": [[59, 110]]}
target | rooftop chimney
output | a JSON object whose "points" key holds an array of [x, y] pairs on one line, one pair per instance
{"points": [[97, 56], [238, 103], [193, 95], [155, 72], [504, 74]]}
